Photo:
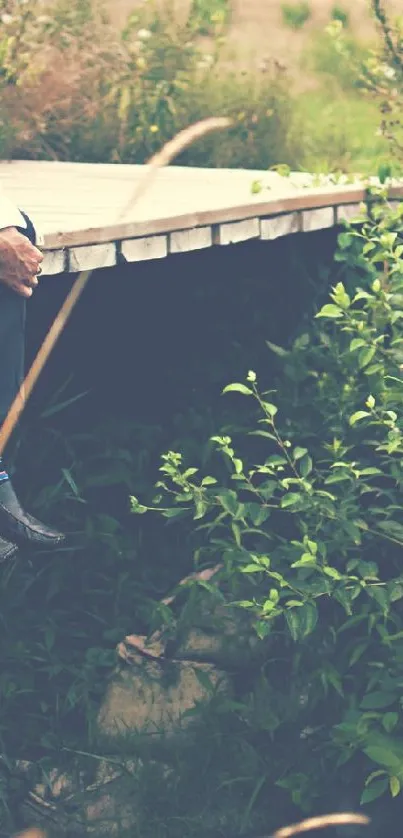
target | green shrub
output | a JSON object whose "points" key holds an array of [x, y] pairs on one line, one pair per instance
{"points": [[338, 56], [384, 78], [339, 133], [340, 14], [304, 510], [119, 97], [295, 15], [209, 16]]}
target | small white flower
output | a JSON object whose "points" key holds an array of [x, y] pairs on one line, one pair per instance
{"points": [[388, 71], [144, 34], [7, 19], [205, 62]]}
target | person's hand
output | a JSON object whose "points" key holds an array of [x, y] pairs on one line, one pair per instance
{"points": [[19, 262]]}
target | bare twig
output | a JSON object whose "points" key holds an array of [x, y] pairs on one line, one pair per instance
{"points": [[381, 17], [321, 822], [31, 833], [162, 158]]}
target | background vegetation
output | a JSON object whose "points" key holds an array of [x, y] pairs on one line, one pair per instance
{"points": [[75, 86], [302, 497]]}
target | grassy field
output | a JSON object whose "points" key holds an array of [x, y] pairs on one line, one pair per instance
{"points": [[258, 31], [339, 123]]}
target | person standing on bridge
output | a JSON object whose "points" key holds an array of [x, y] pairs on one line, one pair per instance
{"points": [[20, 262]]}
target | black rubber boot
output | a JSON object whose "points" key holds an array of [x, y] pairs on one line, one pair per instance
{"points": [[19, 526], [7, 550]]}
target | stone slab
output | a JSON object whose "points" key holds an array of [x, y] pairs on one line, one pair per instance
{"points": [[54, 262], [348, 212], [238, 231], [280, 225], [317, 219], [92, 257], [140, 250], [182, 241]]}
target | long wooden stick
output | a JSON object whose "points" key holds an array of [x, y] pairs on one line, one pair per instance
{"points": [[162, 158]]}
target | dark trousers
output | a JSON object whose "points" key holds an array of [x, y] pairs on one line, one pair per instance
{"points": [[12, 339]]}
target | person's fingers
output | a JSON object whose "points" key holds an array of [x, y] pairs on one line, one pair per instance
{"points": [[36, 253], [24, 290]]}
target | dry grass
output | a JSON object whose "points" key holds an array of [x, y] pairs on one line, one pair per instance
{"points": [[257, 30]]}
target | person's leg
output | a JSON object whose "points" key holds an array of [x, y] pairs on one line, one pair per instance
{"points": [[12, 328], [12, 341], [15, 524]]}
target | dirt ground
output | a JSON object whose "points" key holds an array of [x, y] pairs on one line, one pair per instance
{"points": [[257, 30]]}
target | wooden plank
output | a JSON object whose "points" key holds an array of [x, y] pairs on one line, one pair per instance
{"points": [[79, 204]]}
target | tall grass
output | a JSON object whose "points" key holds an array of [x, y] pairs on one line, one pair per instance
{"points": [[85, 92]]}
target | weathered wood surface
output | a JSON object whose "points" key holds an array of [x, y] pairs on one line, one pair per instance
{"points": [[78, 209]]}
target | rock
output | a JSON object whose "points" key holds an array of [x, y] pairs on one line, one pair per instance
{"points": [[219, 635], [154, 698], [105, 807]]}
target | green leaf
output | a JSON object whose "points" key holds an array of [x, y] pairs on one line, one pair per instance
{"points": [[201, 508], [307, 559], [252, 568], [258, 514], [381, 596], [276, 460], [278, 350], [301, 620], [331, 311], [305, 465], [384, 171], [236, 533], [333, 677], [266, 434], [360, 414], [365, 356], [238, 388], [392, 528], [204, 679], [332, 573], [137, 507], [208, 481], [380, 773], [175, 513], [376, 789], [229, 501], [357, 343], [270, 409], [377, 700], [293, 623], [299, 452], [394, 785], [389, 721], [357, 653], [72, 483], [292, 499], [383, 756]]}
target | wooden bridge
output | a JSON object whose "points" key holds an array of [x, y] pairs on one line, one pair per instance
{"points": [[78, 208]]}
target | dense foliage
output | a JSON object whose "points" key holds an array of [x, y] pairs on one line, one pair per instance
{"points": [[306, 518], [76, 84], [298, 494], [75, 87]]}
